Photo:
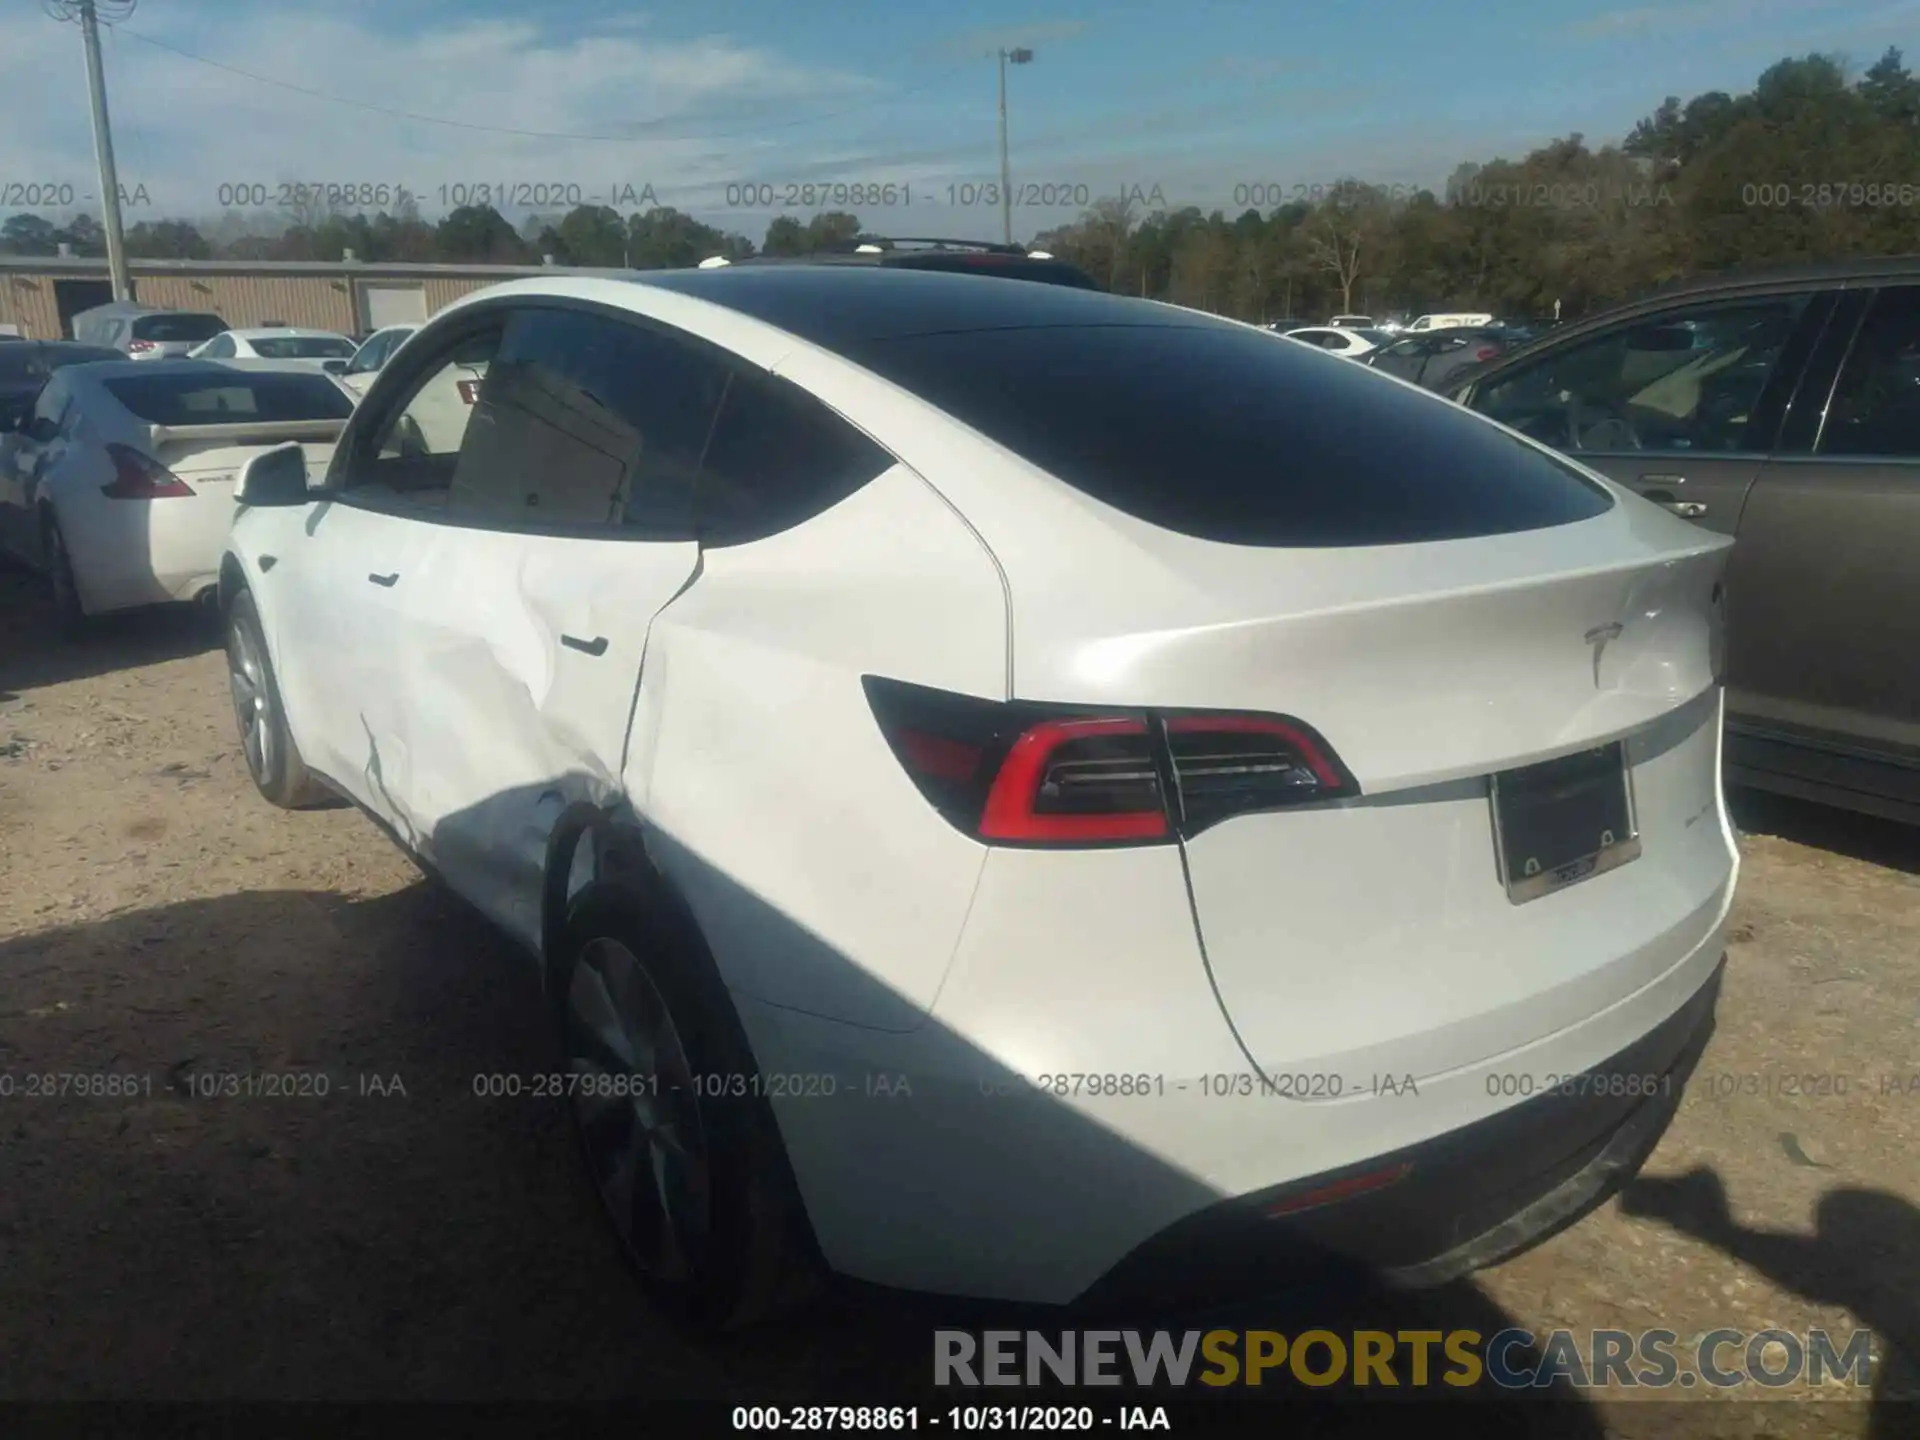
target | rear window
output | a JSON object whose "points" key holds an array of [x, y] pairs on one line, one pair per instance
{"points": [[302, 347], [229, 399], [1218, 433], [176, 329]]}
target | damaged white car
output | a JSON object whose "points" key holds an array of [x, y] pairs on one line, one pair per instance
{"points": [[1012, 790]]}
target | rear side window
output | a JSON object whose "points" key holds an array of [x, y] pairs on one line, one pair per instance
{"points": [[229, 399], [1218, 433], [177, 329], [1876, 407], [778, 457]]}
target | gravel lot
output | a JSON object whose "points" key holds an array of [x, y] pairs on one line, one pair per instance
{"points": [[158, 920]]}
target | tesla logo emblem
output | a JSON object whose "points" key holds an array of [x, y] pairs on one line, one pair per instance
{"points": [[1598, 638]]}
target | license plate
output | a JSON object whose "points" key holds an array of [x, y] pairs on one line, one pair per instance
{"points": [[1564, 821]]}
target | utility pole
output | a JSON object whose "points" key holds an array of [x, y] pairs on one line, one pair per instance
{"points": [[1016, 57], [89, 19]]}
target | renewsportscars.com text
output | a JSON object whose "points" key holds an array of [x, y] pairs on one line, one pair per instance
{"points": [[1511, 1359]]}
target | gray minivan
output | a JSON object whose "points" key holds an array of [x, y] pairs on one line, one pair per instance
{"points": [[143, 333]]}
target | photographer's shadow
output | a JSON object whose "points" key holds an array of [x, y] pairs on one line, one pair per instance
{"points": [[1864, 1257]]}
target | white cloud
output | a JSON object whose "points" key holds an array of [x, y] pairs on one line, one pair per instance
{"points": [[182, 128]]}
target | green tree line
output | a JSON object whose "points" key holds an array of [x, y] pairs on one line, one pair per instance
{"points": [[1814, 162]]}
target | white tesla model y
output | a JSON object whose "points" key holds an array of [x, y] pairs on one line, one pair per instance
{"points": [[1015, 791]]}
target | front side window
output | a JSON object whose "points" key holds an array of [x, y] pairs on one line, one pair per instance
{"points": [[1875, 409], [409, 455], [1690, 380], [372, 355], [589, 420]]}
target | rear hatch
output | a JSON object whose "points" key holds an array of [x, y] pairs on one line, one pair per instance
{"points": [[1216, 522]]}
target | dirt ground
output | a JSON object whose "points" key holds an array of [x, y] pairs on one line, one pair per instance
{"points": [[400, 1238]]}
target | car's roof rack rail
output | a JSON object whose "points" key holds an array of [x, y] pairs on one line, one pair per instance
{"points": [[895, 242]]}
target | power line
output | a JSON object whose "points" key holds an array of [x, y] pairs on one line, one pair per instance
{"points": [[505, 129]]}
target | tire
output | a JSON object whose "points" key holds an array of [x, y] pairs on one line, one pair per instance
{"points": [[63, 589], [734, 1247], [273, 760]]}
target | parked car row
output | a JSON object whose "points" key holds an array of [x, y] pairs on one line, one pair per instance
{"points": [[143, 332]]}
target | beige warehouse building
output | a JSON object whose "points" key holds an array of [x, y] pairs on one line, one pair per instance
{"points": [[40, 295]]}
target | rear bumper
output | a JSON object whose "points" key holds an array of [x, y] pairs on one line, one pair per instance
{"points": [[982, 1178], [1468, 1199], [130, 553]]}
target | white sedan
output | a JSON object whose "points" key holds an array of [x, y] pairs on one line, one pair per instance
{"points": [[120, 479], [278, 342], [1009, 789], [1338, 340]]}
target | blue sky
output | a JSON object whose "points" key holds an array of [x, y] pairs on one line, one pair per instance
{"points": [[1195, 100]]}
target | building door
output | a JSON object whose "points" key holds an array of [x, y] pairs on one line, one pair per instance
{"points": [[383, 304], [71, 297]]}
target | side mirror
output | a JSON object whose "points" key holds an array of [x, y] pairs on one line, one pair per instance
{"points": [[274, 477], [334, 367]]}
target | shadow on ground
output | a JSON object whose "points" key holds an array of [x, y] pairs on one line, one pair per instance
{"points": [[384, 1232], [1866, 838], [34, 653], [1864, 1256]]}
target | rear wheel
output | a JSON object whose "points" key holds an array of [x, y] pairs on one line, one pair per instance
{"points": [[273, 760], [679, 1143]]}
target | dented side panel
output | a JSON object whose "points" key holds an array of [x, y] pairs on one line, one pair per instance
{"points": [[523, 652]]}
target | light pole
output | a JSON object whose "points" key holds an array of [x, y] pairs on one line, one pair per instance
{"points": [[1015, 57], [85, 12]]}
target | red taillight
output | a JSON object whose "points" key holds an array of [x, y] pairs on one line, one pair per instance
{"points": [[1077, 781], [1013, 774], [136, 477], [1486, 352], [139, 347]]}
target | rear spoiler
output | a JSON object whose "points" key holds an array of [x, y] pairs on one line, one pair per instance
{"points": [[254, 432]]}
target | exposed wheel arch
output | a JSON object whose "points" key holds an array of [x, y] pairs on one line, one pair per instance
{"points": [[233, 580], [623, 875], [618, 862]]}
